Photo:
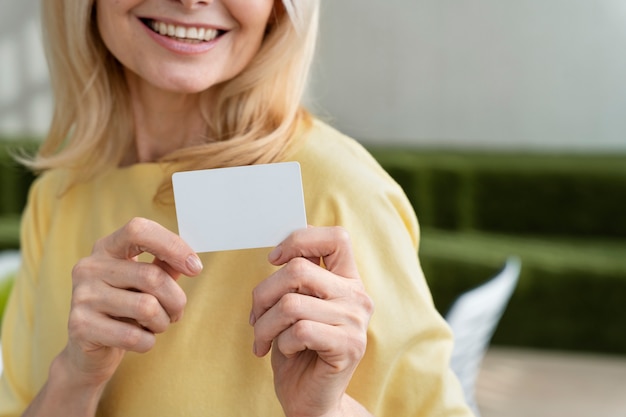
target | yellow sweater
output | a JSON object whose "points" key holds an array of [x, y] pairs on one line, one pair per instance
{"points": [[203, 365]]}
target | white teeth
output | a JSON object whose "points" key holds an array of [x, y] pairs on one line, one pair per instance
{"points": [[182, 32], [210, 34]]}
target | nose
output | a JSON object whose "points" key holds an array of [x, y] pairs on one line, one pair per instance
{"points": [[190, 4]]}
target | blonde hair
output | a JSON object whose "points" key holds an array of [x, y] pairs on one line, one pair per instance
{"points": [[253, 120]]}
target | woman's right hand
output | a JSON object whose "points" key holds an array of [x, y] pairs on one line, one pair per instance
{"points": [[119, 303]]}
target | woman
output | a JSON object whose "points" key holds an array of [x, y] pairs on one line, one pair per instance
{"points": [[95, 324]]}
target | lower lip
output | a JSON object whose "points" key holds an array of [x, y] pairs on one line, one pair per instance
{"points": [[183, 48]]}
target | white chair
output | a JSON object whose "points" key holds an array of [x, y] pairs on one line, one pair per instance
{"points": [[9, 263], [473, 318]]}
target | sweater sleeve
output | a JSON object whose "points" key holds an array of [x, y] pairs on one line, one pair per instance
{"points": [[405, 370], [409, 342], [16, 387]]}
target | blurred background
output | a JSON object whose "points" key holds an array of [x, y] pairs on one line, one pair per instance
{"points": [[504, 122]]}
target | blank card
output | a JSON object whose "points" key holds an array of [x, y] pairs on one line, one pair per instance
{"points": [[239, 208]]}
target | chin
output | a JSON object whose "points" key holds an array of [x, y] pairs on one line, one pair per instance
{"points": [[186, 87]]}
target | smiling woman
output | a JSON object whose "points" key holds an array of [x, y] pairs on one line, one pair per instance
{"points": [[156, 58], [113, 314], [259, 104]]}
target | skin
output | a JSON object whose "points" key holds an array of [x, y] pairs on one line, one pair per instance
{"points": [[316, 320], [312, 319], [165, 82]]}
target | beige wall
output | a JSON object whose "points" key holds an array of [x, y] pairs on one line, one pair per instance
{"points": [[531, 74], [24, 90], [506, 73]]}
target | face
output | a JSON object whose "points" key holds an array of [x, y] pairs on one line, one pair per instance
{"points": [[183, 46]]}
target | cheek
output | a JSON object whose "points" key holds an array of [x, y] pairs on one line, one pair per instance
{"points": [[116, 32], [252, 33], [103, 20], [253, 13]]}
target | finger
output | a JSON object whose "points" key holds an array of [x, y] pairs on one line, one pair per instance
{"points": [[332, 244], [137, 276], [142, 235], [143, 309], [298, 276], [336, 347], [94, 331], [291, 309], [167, 268]]}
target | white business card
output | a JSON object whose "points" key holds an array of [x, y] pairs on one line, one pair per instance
{"points": [[244, 207]]}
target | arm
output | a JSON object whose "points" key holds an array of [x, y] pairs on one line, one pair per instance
{"points": [[118, 305]]}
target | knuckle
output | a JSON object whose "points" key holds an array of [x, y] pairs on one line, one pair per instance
{"points": [[298, 267], [366, 302], [82, 296], [361, 309], [302, 330], [147, 307], [357, 347], [77, 325], [261, 334], [354, 345], [256, 295], [290, 304], [362, 298], [81, 269], [179, 302], [341, 234], [137, 226], [97, 246], [131, 337], [151, 276]]}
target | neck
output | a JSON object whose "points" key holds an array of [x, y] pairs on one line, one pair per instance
{"points": [[164, 121]]}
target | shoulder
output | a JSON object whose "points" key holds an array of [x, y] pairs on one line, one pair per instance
{"points": [[330, 149], [50, 182], [343, 183], [43, 195], [336, 160], [46, 189]]}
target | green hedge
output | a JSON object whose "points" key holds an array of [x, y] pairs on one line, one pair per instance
{"points": [[528, 194], [561, 214], [9, 231], [570, 294], [14, 178], [14, 183]]}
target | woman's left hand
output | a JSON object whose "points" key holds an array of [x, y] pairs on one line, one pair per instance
{"points": [[314, 311]]}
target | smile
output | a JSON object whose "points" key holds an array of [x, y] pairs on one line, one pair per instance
{"points": [[183, 33]]}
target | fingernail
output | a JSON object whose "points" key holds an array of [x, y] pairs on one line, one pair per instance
{"points": [[275, 254], [194, 264], [252, 319]]}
